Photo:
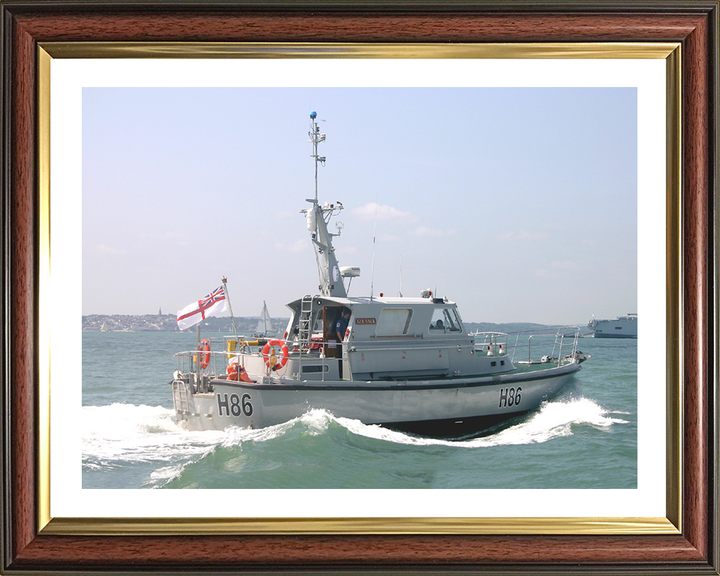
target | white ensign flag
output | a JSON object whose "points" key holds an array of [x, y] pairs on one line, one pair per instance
{"points": [[211, 305]]}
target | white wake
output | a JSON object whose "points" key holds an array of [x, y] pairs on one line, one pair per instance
{"points": [[119, 434]]}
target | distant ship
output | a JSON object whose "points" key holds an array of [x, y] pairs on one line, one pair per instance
{"points": [[621, 327]]}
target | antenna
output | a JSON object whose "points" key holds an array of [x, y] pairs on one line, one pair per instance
{"points": [[316, 137], [372, 272], [232, 316], [401, 283]]}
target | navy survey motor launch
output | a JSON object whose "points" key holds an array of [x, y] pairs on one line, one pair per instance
{"points": [[403, 362]]}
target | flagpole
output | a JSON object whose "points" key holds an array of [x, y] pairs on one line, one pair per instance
{"points": [[232, 317]]}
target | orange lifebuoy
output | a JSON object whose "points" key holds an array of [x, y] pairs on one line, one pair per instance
{"points": [[205, 358], [271, 356]]}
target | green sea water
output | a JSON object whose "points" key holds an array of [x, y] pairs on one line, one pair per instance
{"points": [[586, 437]]}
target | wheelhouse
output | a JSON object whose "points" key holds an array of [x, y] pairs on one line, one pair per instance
{"points": [[384, 339]]}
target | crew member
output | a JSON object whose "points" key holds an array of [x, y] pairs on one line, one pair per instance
{"points": [[340, 329], [342, 324]]}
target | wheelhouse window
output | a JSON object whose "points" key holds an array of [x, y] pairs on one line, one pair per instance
{"points": [[445, 320], [393, 322]]}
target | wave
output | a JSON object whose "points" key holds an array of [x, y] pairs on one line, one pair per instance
{"points": [[119, 435], [552, 420]]}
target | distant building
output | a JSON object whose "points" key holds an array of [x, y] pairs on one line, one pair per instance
{"points": [[160, 311]]}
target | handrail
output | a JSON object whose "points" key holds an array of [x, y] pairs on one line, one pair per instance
{"points": [[558, 333], [496, 343], [396, 336], [227, 354], [395, 349]]}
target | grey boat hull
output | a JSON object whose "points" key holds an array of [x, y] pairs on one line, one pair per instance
{"points": [[615, 336], [442, 407]]}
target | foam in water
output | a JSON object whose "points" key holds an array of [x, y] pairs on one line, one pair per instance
{"points": [[125, 433], [165, 474], [129, 432], [553, 420]]}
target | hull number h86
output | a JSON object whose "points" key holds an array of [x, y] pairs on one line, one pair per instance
{"points": [[510, 397], [234, 405]]}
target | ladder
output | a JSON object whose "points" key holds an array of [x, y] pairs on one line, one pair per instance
{"points": [[180, 397], [305, 322]]}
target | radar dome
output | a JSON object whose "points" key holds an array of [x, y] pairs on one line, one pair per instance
{"points": [[349, 271]]}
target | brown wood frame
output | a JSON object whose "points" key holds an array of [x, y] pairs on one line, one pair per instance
{"points": [[26, 23]]}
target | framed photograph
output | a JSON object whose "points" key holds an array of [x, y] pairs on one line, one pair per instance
{"points": [[619, 99], [133, 437]]}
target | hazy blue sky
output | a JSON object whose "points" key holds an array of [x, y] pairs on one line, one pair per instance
{"points": [[519, 204]]}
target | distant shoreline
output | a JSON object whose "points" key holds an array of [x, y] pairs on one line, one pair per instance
{"points": [[168, 323], [245, 325]]}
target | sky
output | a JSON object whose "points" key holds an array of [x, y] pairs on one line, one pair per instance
{"points": [[519, 204]]}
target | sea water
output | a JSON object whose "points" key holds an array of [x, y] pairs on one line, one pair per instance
{"points": [[586, 437]]}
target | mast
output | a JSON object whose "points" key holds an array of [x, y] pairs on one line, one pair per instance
{"points": [[318, 217], [316, 137], [232, 316]]}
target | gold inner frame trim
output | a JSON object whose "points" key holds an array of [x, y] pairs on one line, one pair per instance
{"points": [[565, 50], [535, 525], [674, 336], [43, 159], [268, 526]]}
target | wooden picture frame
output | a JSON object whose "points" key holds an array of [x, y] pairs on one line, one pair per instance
{"points": [[28, 546]]}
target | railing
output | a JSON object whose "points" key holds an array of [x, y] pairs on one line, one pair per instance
{"points": [[490, 343], [554, 345], [562, 339], [190, 361]]}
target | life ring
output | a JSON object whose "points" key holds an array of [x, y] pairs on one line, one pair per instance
{"points": [[270, 357], [204, 358]]}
